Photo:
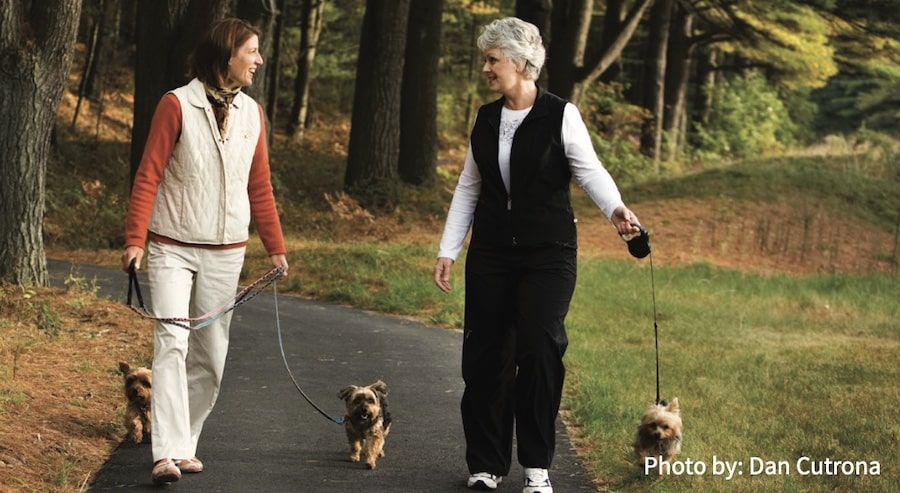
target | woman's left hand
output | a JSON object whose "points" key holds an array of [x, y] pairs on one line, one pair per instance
{"points": [[625, 221], [280, 261]]}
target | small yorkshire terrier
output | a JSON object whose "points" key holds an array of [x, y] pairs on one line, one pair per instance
{"points": [[138, 394], [659, 432], [367, 421]]}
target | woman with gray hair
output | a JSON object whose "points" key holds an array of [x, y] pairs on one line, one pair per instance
{"points": [[513, 193]]}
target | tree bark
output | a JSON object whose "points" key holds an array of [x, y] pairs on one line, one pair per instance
{"points": [[654, 77], [272, 72], [375, 127], [593, 69], [312, 19], [165, 36], [613, 21], [418, 109], [262, 14], [678, 74], [569, 71], [570, 25], [538, 12], [37, 41]]}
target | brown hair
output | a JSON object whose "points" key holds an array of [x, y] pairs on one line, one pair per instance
{"points": [[209, 61]]}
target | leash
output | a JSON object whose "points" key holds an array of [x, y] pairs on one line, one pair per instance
{"points": [[245, 295], [655, 326], [639, 247], [196, 323], [287, 367]]}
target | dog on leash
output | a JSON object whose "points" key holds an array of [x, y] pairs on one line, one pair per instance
{"points": [[367, 420], [138, 393], [659, 432]]}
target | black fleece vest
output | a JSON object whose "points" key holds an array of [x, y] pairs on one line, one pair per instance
{"points": [[538, 209]]}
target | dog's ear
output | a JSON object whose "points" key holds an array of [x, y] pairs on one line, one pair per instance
{"points": [[346, 392], [124, 367], [379, 387], [673, 406]]}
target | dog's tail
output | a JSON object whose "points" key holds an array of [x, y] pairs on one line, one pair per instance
{"points": [[385, 414]]}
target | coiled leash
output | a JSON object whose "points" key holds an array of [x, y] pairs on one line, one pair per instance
{"points": [[639, 247], [243, 296], [197, 323]]}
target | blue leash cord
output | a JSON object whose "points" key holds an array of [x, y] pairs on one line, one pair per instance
{"points": [[244, 296], [338, 421]]}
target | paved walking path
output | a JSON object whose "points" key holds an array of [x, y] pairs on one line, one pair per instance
{"points": [[263, 436]]}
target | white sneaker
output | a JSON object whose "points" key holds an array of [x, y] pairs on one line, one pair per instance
{"points": [[537, 481], [484, 481]]}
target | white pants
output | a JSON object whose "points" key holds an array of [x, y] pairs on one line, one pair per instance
{"points": [[188, 364]]}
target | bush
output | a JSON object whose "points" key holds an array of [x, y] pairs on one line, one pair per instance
{"points": [[748, 119], [615, 127]]}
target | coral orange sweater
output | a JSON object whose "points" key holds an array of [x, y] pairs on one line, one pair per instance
{"points": [[165, 130]]}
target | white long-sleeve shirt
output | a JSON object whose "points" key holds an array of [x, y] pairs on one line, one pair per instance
{"points": [[589, 173]]}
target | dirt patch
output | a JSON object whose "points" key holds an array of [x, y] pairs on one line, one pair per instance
{"points": [[768, 239], [61, 406]]}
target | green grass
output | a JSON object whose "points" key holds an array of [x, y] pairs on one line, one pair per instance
{"points": [[385, 277], [772, 367]]}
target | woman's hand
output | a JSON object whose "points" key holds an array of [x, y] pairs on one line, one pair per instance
{"points": [[442, 273], [625, 222], [280, 261], [132, 253]]}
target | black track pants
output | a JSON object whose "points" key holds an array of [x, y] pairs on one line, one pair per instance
{"points": [[514, 342]]}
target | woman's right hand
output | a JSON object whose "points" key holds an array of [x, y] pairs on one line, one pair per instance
{"points": [[442, 273], [132, 253]]}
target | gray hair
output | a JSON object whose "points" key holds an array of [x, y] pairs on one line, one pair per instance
{"points": [[519, 41]]}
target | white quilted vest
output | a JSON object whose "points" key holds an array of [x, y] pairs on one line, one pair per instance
{"points": [[202, 197]]}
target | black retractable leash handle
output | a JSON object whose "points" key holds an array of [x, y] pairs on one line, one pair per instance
{"points": [[133, 284], [639, 247], [638, 244]]}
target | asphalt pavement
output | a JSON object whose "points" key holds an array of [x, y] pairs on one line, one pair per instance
{"points": [[263, 436]]}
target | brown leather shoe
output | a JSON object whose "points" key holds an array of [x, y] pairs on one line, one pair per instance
{"points": [[165, 471], [190, 466]]}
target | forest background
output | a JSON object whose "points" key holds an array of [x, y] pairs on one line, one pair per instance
{"points": [[752, 135]]}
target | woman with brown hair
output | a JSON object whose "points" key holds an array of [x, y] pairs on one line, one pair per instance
{"points": [[203, 176]]}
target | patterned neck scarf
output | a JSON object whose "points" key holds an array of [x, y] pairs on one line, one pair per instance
{"points": [[221, 102]]}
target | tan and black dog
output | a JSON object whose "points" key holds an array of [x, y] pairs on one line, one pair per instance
{"points": [[138, 393], [367, 421], [659, 432]]}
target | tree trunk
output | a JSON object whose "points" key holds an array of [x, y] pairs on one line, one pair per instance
{"points": [[311, 21], [37, 41], [593, 70], [538, 12], [375, 127], [272, 72], [654, 77], [613, 22], [104, 51], [418, 108], [91, 54], [262, 14], [165, 36], [569, 72], [570, 25], [708, 62], [678, 73]]}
